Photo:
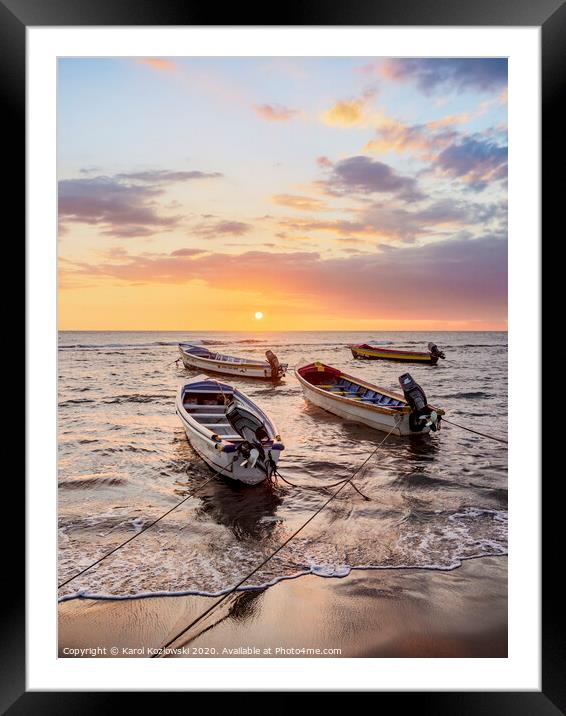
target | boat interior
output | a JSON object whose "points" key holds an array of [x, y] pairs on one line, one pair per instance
{"points": [[332, 381], [207, 406]]}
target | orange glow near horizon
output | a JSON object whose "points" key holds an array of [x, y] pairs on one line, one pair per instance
{"points": [[198, 308]]}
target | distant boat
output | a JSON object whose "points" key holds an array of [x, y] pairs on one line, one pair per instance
{"points": [[367, 352], [362, 402], [228, 430], [199, 357]]}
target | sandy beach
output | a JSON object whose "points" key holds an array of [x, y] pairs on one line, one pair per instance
{"points": [[405, 613]]}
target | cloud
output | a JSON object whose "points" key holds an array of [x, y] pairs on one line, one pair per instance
{"points": [[341, 227], [164, 176], [475, 161], [158, 63], [387, 222], [457, 74], [275, 112], [323, 162], [451, 120], [120, 209], [420, 139], [222, 228], [362, 175], [123, 205], [299, 202], [447, 215], [423, 140], [348, 112], [345, 113], [460, 278], [187, 252]]}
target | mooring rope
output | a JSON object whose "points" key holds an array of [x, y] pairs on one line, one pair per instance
{"points": [[320, 487], [276, 551], [477, 432], [145, 529]]}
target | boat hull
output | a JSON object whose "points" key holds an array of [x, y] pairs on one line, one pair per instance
{"points": [[223, 463], [398, 423], [366, 353], [242, 370]]}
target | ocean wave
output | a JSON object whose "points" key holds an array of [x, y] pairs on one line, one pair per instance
{"points": [[229, 342], [138, 398], [468, 395], [75, 401], [482, 345], [121, 346], [88, 482]]}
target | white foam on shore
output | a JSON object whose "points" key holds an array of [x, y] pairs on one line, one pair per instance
{"points": [[323, 571], [468, 533]]}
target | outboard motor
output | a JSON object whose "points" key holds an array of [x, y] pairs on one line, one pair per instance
{"points": [[245, 423], [435, 351], [274, 363], [251, 428], [421, 415]]}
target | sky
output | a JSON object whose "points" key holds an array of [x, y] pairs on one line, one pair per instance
{"points": [[318, 193]]}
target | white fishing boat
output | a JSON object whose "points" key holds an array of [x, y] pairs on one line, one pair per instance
{"points": [[228, 430], [202, 358], [362, 402]]}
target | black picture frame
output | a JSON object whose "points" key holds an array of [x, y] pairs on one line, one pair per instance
{"points": [[550, 15]]}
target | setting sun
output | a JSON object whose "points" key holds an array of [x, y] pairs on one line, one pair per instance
{"points": [[258, 315]]}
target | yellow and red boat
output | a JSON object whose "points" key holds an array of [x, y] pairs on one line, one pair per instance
{"points": [[358, 401], [368, 352]]}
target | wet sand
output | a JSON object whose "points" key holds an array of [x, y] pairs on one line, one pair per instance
{"points": [[407, 613]]}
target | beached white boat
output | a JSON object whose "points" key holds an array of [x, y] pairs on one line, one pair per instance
{"points": [[201, 358], [228, 430], [362, 402]]}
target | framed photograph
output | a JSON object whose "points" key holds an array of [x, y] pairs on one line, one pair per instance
{"points": [[283, 363]]}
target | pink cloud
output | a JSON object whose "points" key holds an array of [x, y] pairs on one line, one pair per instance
{"points": [[323, 162], [411, 282], [158, 63], [275, 112], [294, 201]]}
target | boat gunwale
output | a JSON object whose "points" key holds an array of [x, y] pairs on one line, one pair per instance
{"points": [[401, 410]]}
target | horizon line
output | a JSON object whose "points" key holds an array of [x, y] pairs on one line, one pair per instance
{"points": [[302, 330]]}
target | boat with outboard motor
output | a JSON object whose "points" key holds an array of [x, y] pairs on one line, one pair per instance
{"points": [[369, 352], [201, 358], [362, 402], [232, 434]]}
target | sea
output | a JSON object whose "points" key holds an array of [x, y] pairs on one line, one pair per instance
{"points": [[124, 459]]}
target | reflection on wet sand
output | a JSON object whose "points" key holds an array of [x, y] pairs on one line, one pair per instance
{"points": [[367, 614]]}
